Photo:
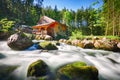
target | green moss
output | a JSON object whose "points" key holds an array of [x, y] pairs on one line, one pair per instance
{"points": [[30, 36], [78, 71], [48, 45], [77, 64], [38, 68], [43, 78]]}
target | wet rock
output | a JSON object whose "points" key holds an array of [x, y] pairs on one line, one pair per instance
{"points": [[77, 71], [38, 69], [75, 42], [118, 45], [48, 45], [57, 43], [101, 44], [68, 42], [43, 37], [63, 40], [24, 28], [19, 41], [39, 37], [81, 45], [96, 38], [47, 37], [87, 44], [114, 44], [2, 56]]}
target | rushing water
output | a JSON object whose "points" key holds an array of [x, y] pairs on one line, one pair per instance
{"points": [[108, 63]]}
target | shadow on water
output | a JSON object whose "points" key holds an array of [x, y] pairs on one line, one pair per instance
{"points": [[113, 61], [2, 56], [5, 72]]}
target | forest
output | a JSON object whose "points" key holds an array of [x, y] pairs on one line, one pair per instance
{"points": [[39, 42], [103, 21]]}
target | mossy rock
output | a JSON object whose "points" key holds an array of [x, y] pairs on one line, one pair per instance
{"points": [[48, 45], [77, 71], [19, 41], [38, 69], [29, 35], [89, 45], [5, 71], [81, 45]]}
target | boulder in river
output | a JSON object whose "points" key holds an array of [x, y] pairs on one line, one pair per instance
{"points": [[118, 45], [87, 44], [48, 45], [103, 44], [38, 69], [19, 41], [77, 71]]}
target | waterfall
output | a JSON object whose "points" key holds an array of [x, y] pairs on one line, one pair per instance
{"points": [[107, 62]]}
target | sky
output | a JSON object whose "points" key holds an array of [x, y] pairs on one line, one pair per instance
{"points": [[71, 4]]}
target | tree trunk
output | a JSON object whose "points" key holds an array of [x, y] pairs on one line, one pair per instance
{"points": [[106, 32], [113, 20], [119, 27]]}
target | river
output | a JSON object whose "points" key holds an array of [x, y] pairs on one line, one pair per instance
{"points": [[107, 62]]}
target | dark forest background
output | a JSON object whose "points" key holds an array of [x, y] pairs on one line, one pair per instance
{"points": [[104, 20]]}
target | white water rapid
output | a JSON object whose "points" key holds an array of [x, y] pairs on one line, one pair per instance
{"points": [[108, 63]]}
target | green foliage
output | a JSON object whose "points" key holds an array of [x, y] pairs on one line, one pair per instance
{"points": [[67, 17], [34, 15], [113, 37], [6, 25], [59, 36], [76, 34], [111, 11], [25, 10], [104, 20]]}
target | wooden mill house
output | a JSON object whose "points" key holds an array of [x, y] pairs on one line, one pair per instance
{"points": [[48, 26]]}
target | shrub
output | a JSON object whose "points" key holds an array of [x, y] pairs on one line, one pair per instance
{"points": [[6, 25]]}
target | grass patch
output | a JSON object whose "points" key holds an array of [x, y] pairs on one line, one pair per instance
{"points": [[81, 37]]}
